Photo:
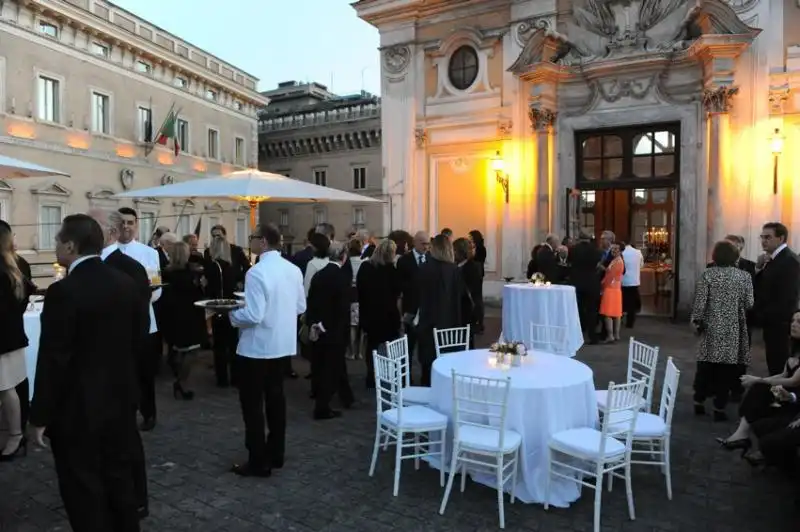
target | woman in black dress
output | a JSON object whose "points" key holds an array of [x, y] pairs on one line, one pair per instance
{"points": [[185, 328], [479, 256], [379, 288], [220, 283], [471, 276]]}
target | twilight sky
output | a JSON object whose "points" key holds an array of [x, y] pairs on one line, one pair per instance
{"points": [[276, 40]]}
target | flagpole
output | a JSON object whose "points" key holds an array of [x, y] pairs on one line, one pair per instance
{"points": [[164, 123]]}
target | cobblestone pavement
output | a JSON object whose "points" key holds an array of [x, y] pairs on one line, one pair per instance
{"points": [[325, 487]]}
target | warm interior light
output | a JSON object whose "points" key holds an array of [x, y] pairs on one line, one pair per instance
{"points": [[165, 158], [497, 163], [126, 150], [21, 130], [777, 142], [199, 167], [78, 141]]}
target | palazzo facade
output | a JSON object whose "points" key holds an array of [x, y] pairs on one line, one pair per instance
{"points": [[661, 120]]}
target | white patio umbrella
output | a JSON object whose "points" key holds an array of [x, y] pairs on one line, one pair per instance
{"points": [[251, 186], [11, 168]]}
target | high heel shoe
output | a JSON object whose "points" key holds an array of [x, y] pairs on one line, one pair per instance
{"points": [[732, 445], [21, 450], [179, 393]]}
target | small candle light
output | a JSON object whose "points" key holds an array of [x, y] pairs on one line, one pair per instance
{"points": [[547, 283], [492, 362]]}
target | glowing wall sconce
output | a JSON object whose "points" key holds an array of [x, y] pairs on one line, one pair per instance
{"points": [[776, 145], [498, 165]]}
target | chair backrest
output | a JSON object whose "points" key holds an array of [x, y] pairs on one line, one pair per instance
{"points": [[642, 365], [451, 340], [480, 402], [398, 350], [669, 392], [548, 338], [388, 384], [622, 407]]}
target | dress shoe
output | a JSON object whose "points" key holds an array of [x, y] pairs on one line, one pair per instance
{"points": [[330, 414], [21, 450], [147, 424], [245, 470]]}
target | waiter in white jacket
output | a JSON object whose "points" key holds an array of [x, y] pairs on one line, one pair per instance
{"points": [[274, 297], [149, 361]]}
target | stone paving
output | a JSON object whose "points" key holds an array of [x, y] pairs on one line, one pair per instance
{"points": [[325, 487]]}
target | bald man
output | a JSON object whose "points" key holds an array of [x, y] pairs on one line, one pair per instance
{"points": [[408, 265]]}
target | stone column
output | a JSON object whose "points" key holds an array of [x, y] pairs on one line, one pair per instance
{"points": [[542, 123], [404, 196], [717, 103]]}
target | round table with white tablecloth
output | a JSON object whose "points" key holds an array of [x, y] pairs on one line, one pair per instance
{"points": [[549, 393], [526, 303], [33, 328]]}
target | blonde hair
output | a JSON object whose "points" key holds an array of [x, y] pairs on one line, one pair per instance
{"points": [[220, 249], [384, 253], [179, 255], [442, 249], [10, 261]]}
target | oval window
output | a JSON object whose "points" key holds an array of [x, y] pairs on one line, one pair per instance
{"points": [[463, 68]]}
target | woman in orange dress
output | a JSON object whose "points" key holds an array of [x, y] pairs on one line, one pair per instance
{"points": [[611, 300]]}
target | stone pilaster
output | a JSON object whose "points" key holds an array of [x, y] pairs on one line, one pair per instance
{"points": [[718, 102], [542, 125]]}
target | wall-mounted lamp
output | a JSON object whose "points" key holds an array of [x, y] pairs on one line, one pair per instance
{"points": [[776, 144], [498, 165]]}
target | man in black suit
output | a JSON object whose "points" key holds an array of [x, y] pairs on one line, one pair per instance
{"points": [[163, 259], [86, 381], [584, 258], [776, 290], [111, 224], [408, 266], [546, 260], [304, 256], [329, 304], [239, 261]]}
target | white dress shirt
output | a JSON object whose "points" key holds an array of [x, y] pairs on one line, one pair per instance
{"points": [[314, 265], [273, 297], [148, 258], [108, 250], [634, 261], [778, 250], [419, 257], [78, 261]]}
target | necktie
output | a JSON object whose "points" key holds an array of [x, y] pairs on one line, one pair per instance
{"points": [[420, 259]]}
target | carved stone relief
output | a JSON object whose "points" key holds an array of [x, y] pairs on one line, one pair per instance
{"points": [[396, 60], [719, 100], [542, 119], [526, 28], [778, 96], [504, 129], [740, 6], [126, 176], [421, 137], [616, 89]]}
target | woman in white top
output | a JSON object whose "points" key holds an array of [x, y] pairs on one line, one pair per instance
{"points": [[355, 351], [320, 244]]}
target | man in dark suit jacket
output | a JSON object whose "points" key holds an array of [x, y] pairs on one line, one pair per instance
{"points": [[329, 304], [304, 256], [584, 258], [86, 381], [776, 290], [408, 266], [546, 260]]}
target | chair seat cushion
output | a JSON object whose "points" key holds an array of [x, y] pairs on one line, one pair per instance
{"points": [[415, 417], [585, 442], [420, 395], [647, 426], [602, 400], [487, 439]]}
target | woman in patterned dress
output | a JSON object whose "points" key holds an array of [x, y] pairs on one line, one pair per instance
{"points": [[611, 299], [722, 297]]}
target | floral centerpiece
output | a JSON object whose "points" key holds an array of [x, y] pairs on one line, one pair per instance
{"points": [[509, 352], [538, 278]]}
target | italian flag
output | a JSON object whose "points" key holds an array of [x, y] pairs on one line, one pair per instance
{"points": [[169, 130]]}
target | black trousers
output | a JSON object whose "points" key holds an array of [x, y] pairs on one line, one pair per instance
{"points": [[94, 478], [149, 362], [776, 345], [138, 467], [329, 376], [631, 304], [588, 308], [226, 339], [757, 404], [777, 442], [24, 393], [427, 355], [261, 397], [714, 380], [374, 342]]}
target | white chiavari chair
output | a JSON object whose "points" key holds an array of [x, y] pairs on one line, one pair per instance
{"points": [[642, 365], [451, 340], [398, 350], [548, 338]]}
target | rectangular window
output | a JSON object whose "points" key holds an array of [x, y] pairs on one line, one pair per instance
{"points": [[241, 233], [181, 82], [99, 49], [284, 218], [101, 110], [320, 216], [239, 155], [183, 135], [146, 226], [49, 224], [143, 67], [359, 178], [49, 99], [213, 144], [359, 217], [321, 178], [51, 30], [237, 105], [184, 225], [211, 95], [145, 124]]}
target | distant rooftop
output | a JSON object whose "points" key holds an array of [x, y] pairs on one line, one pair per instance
{"points": [[292, 97]]}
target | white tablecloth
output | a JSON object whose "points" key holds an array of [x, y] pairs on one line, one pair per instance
{"points": [[549, 393], [543, 305], [33, 328]]}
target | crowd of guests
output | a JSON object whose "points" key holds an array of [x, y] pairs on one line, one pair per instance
{"points": [[606, 276]]}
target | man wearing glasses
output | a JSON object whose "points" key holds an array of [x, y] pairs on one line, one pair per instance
{"points": [[777, 286]]}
